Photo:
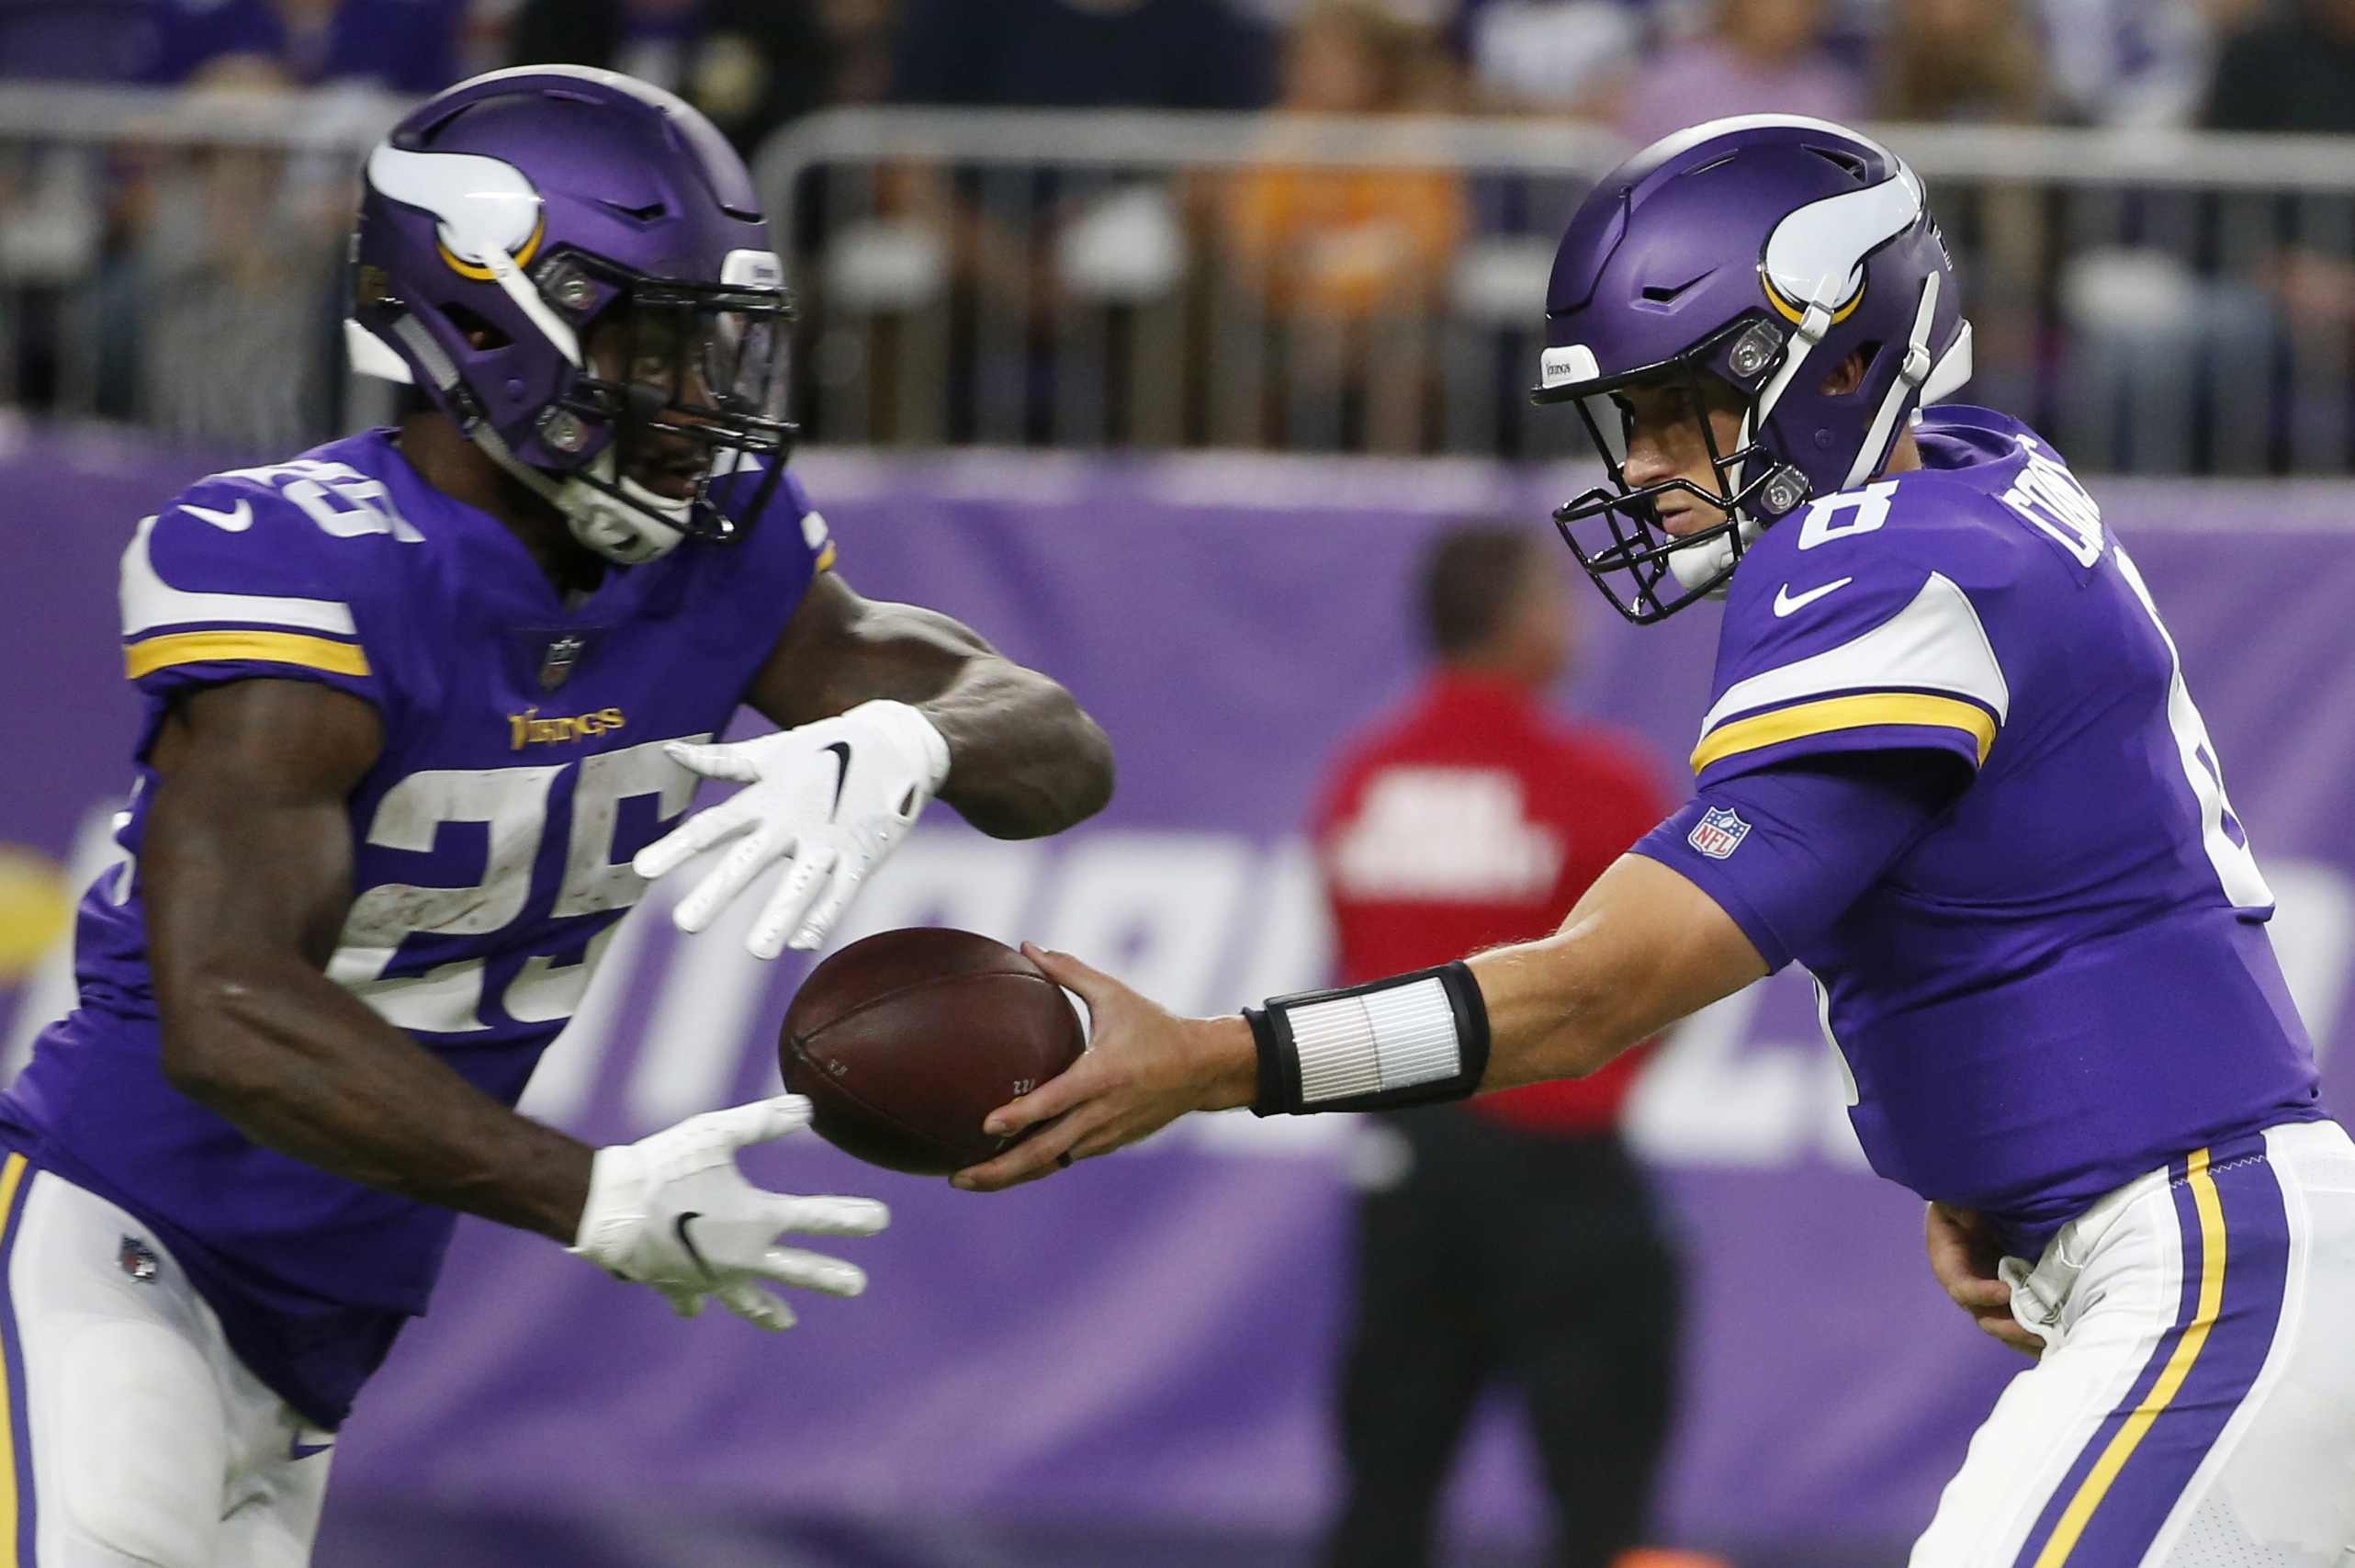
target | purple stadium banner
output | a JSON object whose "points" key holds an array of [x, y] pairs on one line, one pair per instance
{"points": [[1145, 1342]]}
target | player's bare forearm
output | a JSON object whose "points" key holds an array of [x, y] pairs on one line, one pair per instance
{"points": [[246, 874], [1642, 949], [297, 1065], [1024, 759]]}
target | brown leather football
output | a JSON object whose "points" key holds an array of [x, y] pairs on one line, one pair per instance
{"points": [[904, 1041]]}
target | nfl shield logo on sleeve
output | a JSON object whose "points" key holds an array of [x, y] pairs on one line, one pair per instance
{"points": [[1718, 833]]}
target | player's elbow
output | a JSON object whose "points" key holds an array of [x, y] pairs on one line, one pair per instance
{"points": [[1064, 779], [206, 1076], [204, 1017], [1086, 786]]}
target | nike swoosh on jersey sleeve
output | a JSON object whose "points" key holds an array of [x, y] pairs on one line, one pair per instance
{"points": [[223, 627], [149, 602], [1929, 666]]}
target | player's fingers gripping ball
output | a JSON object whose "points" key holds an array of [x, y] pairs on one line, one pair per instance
{"points": [[906, 1040], [834, 797], [672, 1211], [1136, 1080]]}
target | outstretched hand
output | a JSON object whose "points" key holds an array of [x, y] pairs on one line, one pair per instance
{"points": [[1144, 1067], [833, 797], [1963, 1256], [672, 1211]]}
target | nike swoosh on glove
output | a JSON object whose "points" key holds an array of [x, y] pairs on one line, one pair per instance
{"points": [[835, 798], [672, 1211]]}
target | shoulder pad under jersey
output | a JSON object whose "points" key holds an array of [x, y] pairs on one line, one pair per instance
{"points": [[257, 571], [1852, 626]]}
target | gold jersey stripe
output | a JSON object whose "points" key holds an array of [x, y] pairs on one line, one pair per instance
{"points": [[12, 1179], [274, 647], [824, 558], [1859, 712], [2129, 1436]]}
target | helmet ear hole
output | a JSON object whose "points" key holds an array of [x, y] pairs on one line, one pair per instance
{"points": [[1850, 374], [480, 332]]}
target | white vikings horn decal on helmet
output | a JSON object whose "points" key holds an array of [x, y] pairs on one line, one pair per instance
{"points": [[1813, 266], [1816, 256], [484, 204], [489, 217]]}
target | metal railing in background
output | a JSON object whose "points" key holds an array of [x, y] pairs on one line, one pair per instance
{"points": [[1155, 279], [175, 259], [2157, 302]]}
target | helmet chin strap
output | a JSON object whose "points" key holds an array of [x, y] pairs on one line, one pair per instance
{"points": [[628, 529], [1696, 566], [517, 288], [1814, 322], [631, 528], [1693, 567], [1911, 373]]}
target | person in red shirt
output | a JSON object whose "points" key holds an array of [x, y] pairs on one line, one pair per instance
{"points": [[1520, 1242]]}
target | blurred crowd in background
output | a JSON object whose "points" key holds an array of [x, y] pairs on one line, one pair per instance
{"points": [[198, 291], [1640, 65]]}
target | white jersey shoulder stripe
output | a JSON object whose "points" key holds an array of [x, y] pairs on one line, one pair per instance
{"points": [[149, 602], [1934, 644]]}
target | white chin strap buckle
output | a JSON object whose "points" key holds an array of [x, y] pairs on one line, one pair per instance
{"points": [[631, 529], [1784, 489], [1693, 567]]}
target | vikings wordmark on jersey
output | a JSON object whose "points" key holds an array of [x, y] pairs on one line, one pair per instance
{"points": [[523, 767]]}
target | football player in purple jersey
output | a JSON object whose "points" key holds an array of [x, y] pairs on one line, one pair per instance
{"points": [[424, 710], [1950, 765]]}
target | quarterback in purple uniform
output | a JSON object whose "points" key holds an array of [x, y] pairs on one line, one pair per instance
{"points": [[424, 710], [1951, 766]]}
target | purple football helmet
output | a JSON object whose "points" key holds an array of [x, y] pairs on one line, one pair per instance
{"points": [[573, 265], [1764, 251]]}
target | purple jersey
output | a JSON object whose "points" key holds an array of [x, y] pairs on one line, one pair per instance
{"points": [[2065, 981], [522, 769]]}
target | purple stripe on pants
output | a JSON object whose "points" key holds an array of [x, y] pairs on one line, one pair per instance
{"points": [[2131, 1506], [19, 1433]]}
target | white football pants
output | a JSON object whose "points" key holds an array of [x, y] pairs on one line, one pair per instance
{"points": [[134, 1438], [2195, 1403]]}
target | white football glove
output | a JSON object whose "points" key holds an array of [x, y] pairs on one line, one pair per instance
{"points": [[835, 796], [672, 1212]]}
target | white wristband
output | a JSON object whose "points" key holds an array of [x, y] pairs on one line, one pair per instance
{"points": [[1394, 1038], [1410, 1040]]}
